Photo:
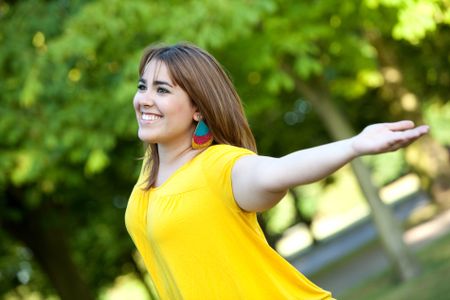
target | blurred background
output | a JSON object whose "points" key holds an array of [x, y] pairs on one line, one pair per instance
{"points": [[308, 72]]}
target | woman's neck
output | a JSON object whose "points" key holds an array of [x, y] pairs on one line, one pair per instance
{"points": [[174, 154], [171, 159]]}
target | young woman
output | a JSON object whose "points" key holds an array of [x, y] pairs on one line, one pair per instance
{"points": [[192, 213]]}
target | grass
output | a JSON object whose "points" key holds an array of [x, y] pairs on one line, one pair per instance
{"points": [[433, 282]]}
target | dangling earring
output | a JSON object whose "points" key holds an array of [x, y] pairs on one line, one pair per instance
{"points": [[202, 136]]}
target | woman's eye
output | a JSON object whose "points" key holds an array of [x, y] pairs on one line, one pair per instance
{"points": [[162, 90], [141, 87]]}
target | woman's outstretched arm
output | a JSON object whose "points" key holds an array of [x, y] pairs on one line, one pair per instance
{"points": [[260, 182]]}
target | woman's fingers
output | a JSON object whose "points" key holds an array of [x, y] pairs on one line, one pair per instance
{"points": [[423, 129], [416, 132], [400, 125], [386, 137], [406, 137]]}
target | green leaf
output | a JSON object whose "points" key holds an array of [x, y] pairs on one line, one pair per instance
{"points": [[96, 162]]}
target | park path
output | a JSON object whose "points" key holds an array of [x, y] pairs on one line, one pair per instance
{"points": [[351, 267], [368, 263]]}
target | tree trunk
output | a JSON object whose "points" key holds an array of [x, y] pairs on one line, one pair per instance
{"points": [[47, 240], [388, 228]]}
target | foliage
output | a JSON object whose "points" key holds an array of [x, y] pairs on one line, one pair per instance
{"points": [[61, 130], [438, 116], [67, 125]]}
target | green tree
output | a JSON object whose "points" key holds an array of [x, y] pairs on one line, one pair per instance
{"points": [[63, 178], [69, 144]]}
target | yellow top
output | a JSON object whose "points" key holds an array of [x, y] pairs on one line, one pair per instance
{"points": [[198, 244]]}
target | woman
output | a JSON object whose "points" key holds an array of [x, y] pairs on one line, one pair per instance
{"points": [[192, 213]]}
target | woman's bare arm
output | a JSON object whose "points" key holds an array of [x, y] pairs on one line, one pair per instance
{"points": [[260, 182]]}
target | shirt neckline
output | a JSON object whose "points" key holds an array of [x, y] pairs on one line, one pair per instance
{"points": [[174, 174]]}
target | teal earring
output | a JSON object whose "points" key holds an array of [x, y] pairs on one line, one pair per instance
{"points": [[202, 136]]}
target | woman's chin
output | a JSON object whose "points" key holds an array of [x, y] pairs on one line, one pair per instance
{"points": [[146, 138]]}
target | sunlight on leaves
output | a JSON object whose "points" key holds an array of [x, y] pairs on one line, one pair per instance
{"points": [[96, 162]]}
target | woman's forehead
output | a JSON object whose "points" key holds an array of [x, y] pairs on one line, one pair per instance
{"points": [[156, 70]]}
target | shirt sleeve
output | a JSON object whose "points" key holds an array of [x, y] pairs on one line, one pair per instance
{"points": [[217, 167]]}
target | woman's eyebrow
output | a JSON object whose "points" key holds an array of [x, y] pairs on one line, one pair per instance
{"points": [[159, 82]]}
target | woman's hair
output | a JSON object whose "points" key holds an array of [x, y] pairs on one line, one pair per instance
{"points": [[200, 75]]}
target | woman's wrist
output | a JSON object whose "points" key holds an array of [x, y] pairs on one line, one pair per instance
{"points": [[354, 150]]}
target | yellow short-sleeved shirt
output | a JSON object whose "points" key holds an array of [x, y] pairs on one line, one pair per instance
{"points": [[198, 244]]}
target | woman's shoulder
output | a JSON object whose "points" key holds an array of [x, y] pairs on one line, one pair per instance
{"points": [[226, 149], [222, 155]]}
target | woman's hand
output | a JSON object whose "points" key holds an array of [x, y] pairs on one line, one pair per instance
{"points": [[385, 137]]}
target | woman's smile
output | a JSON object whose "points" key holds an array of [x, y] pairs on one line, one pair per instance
{"points": [[149, 118]]}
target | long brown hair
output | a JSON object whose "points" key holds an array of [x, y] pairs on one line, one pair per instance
{"points": [[209, 87]]}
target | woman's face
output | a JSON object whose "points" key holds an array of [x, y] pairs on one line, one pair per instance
{"points": [[164, 111]]}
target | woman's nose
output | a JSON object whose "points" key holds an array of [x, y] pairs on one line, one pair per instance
{"points": [[142, 102], [145, 99]]}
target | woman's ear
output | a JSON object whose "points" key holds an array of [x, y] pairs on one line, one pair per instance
{"points": [[197, 116]]}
